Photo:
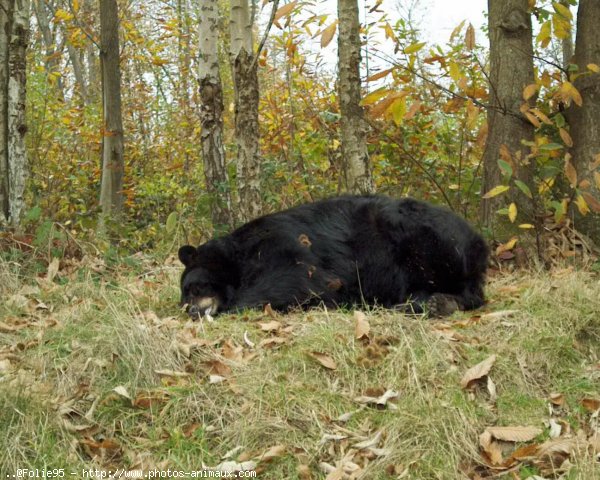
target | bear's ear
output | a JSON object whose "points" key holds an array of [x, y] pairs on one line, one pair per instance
{"points": [[187, 254]]}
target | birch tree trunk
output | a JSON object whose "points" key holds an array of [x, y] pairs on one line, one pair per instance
{"points": [[13, 47], [111, 195], [585, 120], [357, 167], [245, 81], [211, 116], [511, 69]]}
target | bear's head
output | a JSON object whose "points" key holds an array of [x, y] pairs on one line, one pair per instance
{"points": [[208, 279]]}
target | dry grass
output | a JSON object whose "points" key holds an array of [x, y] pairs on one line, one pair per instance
{"points": [[66, 344]]}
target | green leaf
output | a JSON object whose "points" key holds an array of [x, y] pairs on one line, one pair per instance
{"points": [[171, 222], [524, 188], [551, 146], [505, 167], [559, 120]]}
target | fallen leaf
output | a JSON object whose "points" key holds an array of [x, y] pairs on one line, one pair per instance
{"points": [[171, 373], [324, 360], [514, 434], [591, 404], [361, 325], [372, 442], [122, 391], [478, 371], [271, 326], [491, 448], [380, 401]]}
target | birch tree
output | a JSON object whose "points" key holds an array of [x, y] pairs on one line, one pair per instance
{"points": [[14, 37], [357, 168], [111, 195], [245, 81], [511, 70], [211, 116]]}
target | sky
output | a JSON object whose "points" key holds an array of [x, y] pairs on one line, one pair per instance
{"points": [[441, 16]]}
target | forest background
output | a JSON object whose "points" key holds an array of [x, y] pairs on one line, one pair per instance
{"points": [[506, 136]]}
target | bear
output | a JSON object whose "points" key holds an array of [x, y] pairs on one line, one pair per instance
{"points": [[342, 251]]}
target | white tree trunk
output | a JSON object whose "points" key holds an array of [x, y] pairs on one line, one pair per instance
{"points": [[245, 80], [211, 116], [357, 167], [17, 76]]}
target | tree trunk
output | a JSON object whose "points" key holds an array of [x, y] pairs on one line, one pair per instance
{"points": [[357, 168], [245, 81], [15, 24], [5, 21], [511, 69], [211, 117], [111, 195], [585, 120], [52, 63]]}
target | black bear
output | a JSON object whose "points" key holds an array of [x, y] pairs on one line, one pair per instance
{"points": [[340, 251]]}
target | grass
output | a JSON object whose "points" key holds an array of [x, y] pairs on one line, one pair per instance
{"points": [[99, 369]]}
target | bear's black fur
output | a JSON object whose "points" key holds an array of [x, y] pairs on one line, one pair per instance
{"points": [[340, 251]]}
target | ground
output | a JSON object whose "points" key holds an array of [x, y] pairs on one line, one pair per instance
{"points": [[99, 369]]}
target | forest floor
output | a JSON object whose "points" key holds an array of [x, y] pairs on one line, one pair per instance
{"points": [[100, 369]]}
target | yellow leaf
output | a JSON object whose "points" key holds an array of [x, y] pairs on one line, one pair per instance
{"points": [[389, 32], [538, 113], [457, 30], [596, 162], [414, 48], [566, 138], [328, 34], [529, 91], [398, 109], [285, 10], [562, 27], [526, 225], [545, 34], [496, 191], [378, 75], [591, 201], [470, 38], [582, 206], [570, 171], [374, 96], [569, 92], [385, 104], [593, 67], [562, 10], [61, 14], [75, 6], [454, 70], [597, 179], [512, 212], [505, 247]]}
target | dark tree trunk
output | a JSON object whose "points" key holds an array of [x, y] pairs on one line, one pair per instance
{"points": [[584, 120], [111, 195], [511, 70]]}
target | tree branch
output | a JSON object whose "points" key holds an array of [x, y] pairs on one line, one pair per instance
{"points": [[266, 34]]}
